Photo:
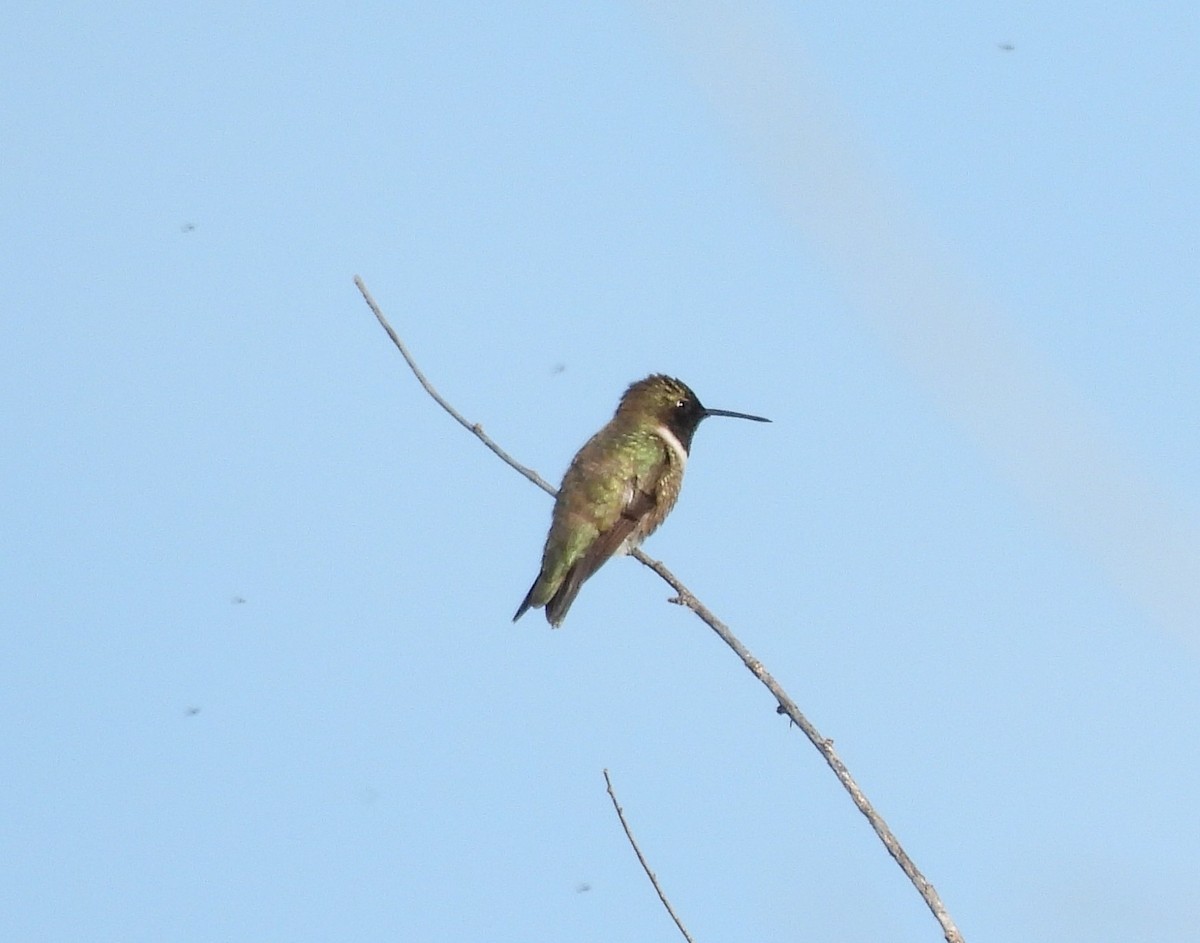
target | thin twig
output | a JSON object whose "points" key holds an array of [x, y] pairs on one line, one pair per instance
{"points": [[685, 597], [824, 746], [642, 860], [473, 427]]}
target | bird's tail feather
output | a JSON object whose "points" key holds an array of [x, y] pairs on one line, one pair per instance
{"points": [[560, 602], [528, 600]]}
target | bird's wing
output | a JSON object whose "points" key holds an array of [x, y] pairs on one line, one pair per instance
{"points": [[596, 555], [637, 505], [638, 500]]}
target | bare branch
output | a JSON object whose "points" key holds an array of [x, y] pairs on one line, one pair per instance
{"points": [[685, 597], [824, 746], [472, 427], [642, 860]]}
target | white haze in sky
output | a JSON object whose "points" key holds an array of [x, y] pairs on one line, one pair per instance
{"points": [[965, 352]]}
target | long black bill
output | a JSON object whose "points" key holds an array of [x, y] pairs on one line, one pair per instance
{"points": [[726, 412]]}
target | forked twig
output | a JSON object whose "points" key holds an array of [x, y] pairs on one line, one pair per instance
{"points": [[642, 860], [685, 597]]}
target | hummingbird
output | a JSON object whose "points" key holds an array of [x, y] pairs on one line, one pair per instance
{"points": [[618, 488]]}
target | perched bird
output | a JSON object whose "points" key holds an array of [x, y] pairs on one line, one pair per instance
{"points": [[619, 488]]}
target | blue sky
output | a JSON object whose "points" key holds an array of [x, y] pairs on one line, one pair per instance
{"points": [[258, 678]]}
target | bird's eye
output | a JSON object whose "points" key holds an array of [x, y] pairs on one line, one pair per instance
{"points": [[680, 403]]}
